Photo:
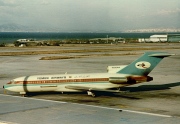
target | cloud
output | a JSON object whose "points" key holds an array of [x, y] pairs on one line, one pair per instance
{"points": [[168, 12], [8, 3], [89, 15], [45, 2]]}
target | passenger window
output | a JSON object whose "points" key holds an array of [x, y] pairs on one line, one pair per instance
{"points": [[12, 81]]}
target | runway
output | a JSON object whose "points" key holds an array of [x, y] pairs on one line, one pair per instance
{"points": [[150, 102], [21, 110]]}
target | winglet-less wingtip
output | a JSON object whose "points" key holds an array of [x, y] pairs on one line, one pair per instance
{"points": [[161, 55]]}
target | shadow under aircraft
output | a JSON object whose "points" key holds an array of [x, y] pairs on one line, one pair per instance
{"points": [[150, 87]]}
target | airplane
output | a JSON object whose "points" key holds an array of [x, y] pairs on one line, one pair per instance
{"points": [[117, 76]]}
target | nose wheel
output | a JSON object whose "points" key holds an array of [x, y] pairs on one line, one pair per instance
{"points": [[23, 94], [5, 92]]}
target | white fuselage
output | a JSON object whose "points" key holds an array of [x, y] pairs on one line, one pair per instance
{"points": [[40, 83]]}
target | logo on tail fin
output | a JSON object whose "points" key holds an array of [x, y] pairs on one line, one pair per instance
{"points": [[142, 65]]}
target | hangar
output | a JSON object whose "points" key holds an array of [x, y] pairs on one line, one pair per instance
{"points": [[161, 38], [158, 38]]}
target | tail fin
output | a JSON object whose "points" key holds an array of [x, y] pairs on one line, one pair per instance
{"points": [[145, 64]]}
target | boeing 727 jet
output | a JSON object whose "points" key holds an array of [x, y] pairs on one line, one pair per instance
{"points": [[136, 72]]}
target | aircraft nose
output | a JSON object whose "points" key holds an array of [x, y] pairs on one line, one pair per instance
{"points": [[4, 86]]}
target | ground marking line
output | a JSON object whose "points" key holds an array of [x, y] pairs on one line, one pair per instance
{"points": [[139, 112], [5, 122], [34, 99]]}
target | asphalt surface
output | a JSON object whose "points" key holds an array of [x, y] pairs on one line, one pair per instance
{"points": [[160, 96], [19, 110]]}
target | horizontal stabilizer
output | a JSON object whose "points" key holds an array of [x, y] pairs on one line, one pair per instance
{"points": [[161, 55]]}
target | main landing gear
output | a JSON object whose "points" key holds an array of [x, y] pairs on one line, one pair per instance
{"points": [[91, 93]]}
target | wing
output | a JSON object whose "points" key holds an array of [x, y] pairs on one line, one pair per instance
{"points": [[90, 90]]}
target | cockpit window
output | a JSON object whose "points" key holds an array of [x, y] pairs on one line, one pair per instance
{"points": [[11, 82]]}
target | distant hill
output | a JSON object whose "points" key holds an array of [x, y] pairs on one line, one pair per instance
{"points": [[11, 27], [153, 30], [21, 28]]}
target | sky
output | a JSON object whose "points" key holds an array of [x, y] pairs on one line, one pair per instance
{"points": [[91, 15]]}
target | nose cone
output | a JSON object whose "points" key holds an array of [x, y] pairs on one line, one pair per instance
{"points": [[5, 86]]}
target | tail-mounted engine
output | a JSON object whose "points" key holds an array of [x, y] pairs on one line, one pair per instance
{"points": [[130, 79]]}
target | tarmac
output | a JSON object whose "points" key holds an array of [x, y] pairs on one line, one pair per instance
{"points": [[19, 110], [157, 101]]}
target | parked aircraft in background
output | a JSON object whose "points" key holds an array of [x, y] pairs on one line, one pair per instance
{"points": [[117, 76]]}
